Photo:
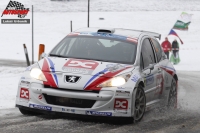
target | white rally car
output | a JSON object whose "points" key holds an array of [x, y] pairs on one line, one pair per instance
{"points": [[100, 72]]}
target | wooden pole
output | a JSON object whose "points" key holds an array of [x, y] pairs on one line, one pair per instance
{"points": [[26, 55]]}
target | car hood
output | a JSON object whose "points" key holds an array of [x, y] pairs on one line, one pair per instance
{"points": [[56, 69]]}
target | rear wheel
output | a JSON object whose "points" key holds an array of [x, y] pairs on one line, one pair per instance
{"points": [[140, 104], [172, 100], [27, 112]]}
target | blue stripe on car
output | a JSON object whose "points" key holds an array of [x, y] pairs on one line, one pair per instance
{"points": [[93, 77], [53, 70]]}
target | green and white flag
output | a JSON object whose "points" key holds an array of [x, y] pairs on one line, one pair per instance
{"points": [[183, 21]]}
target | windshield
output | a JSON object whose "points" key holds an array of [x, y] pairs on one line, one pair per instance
{"points": [[96, 48]]}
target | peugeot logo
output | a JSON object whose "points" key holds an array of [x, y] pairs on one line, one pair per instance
{"points": [[71, 78]]}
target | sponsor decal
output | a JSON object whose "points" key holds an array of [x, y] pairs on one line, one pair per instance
{"points": [[71, 78], [28, 68], [114, 67], [98, 113], [80, 66], [121, 104], [120, 88], [40, 97], [122, 93], [109, 35], [135, 78], [149, 80], [24, 93], [48, 108], [126, 92], [25, 82], [18, 9], [85, 33], [121, 111]]}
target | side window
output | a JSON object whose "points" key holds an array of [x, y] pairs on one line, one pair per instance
{"points": [[157, 49], [147, 53]]}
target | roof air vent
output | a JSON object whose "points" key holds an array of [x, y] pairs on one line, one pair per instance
{"points": [[106, 30]]}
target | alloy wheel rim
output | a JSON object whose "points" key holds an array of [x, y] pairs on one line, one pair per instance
{"points": [[139, 104]]}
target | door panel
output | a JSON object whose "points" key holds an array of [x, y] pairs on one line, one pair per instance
{"points": [[161, 92], [148, 58]]}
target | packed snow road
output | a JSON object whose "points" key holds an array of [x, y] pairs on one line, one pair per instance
{"points": [[186, 119]]}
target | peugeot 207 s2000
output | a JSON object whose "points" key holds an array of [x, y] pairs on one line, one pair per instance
{"points": [[100, 72]]}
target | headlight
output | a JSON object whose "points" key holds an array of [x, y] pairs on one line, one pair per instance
{"points": [[116, 81], [37, 74]]}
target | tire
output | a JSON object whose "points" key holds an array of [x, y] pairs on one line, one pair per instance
{"points": [[27, 112], [140, 104], [172, 100]]}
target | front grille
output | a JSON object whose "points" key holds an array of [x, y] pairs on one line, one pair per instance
{"points": [[66, 89], [69, 102]]}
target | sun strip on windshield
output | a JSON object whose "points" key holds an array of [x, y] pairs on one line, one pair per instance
{"points": [[109, 35]]}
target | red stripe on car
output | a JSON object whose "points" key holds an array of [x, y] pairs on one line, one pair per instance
{"points": [[105, 77], [50, 81]]}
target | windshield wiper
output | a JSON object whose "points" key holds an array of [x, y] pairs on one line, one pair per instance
{"points": [[58, 55]]}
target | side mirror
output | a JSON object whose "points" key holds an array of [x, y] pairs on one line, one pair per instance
{"points": [[147, 71], [43, 55]]}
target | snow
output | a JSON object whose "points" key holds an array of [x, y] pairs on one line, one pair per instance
{"points": [[8, 85], [52, 23]]}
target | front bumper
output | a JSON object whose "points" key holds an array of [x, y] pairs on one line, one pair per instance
{"points": [[104, 104]]}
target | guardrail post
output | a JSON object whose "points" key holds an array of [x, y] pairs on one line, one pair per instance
{"points": [[26, 55]]}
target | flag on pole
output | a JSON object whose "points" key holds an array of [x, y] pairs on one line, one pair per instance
{"points": [[185, 17], [172, 32], [183, 21], [179, 25]]}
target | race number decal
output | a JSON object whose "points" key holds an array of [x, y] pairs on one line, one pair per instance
{"points": [[121, 104], [80, 66], [24, 93]]}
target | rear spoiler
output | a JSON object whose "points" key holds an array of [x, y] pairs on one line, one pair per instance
{"points": [[156, 35]]}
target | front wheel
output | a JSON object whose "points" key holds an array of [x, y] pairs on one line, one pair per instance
{"points": [[140, 104]]}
